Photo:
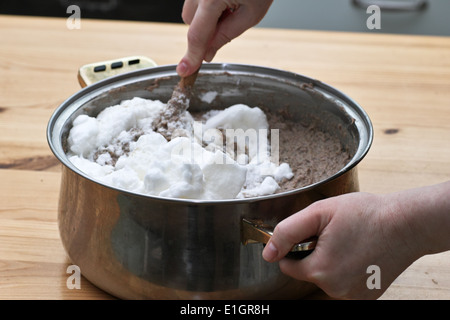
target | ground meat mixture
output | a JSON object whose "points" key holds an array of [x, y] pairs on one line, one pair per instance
{"points": [[312, 154]]}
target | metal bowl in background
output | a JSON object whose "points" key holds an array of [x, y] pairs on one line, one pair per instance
{"points": [[144, 247]]}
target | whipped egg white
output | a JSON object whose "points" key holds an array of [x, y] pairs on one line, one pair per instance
{"points": [[227, 156]]}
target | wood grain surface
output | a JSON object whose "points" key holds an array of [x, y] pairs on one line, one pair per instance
{"points": [[403, 82]]}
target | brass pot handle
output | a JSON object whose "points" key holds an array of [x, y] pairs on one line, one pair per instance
{"points": [[255, 231]]}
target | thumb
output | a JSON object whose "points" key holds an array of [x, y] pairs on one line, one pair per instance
{"points": [[293, 230]]}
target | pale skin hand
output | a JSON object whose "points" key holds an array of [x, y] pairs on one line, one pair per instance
{"points": [[359, 230], [355, 230], [212, 25]]}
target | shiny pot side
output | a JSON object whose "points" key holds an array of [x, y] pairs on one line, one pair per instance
{"points": [[142, 247], [134, 249]]}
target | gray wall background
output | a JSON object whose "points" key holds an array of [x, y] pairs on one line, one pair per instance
{"points": [[337, 15], [343, 15]]}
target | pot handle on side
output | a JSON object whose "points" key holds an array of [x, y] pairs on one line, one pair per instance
{"points": [[254, 231], [93, 72]]}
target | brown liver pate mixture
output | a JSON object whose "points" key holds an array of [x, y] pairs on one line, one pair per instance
{"points": [[313, 155]]}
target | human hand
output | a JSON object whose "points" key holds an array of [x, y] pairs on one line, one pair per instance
{"points": [[355, 231], [212, 24]]}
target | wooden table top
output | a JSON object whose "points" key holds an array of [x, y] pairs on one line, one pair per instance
{"points": [[403, 82]]}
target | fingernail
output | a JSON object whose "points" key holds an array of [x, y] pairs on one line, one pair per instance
{"points": [[270, 252], [182, 68]]}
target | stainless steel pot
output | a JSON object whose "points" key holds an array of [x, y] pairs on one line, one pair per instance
{"points": [[144, 247]]}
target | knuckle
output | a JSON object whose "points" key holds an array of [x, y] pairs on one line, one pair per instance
{"points": [[210, 5], [187, 18], [329, 286], [194, 38], [314, 277], [284, 233], [223, 38], [319, 206]]}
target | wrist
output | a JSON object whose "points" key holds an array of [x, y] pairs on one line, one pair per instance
{"points": [[423, 216]]}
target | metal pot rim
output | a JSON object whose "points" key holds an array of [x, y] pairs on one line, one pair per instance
{"points": [[57, 121]]}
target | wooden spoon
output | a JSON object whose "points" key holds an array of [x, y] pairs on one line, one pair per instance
{"points": [[179, 102], [176, 106]]}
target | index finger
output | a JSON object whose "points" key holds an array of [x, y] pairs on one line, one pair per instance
{"points": [[201, 31]]}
